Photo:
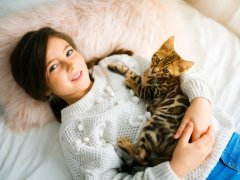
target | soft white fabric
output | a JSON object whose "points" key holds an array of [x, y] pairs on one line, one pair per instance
{"points": [[226, 12], [91, 126], [32, 155], [218, 53]]}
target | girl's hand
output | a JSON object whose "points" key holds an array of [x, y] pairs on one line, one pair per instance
{"points": [[199, 113], [187, 156]]}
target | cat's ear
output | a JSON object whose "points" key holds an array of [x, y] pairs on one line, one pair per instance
{"points": [[184, 65], [179, 66], [168, 45]]}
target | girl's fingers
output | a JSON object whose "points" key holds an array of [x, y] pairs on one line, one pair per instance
{"points": [[206, 142], [195, 136], [208, 136], [180, 129], [187, 132]]}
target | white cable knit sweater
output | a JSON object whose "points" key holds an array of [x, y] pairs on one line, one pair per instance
{"points": [[90, 127]]}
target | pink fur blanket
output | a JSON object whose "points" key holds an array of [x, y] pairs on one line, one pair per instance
{"points": [[97, 27]]}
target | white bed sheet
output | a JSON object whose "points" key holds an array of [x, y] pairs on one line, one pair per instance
{"points": [[32, 155], [37, 154], [227, 12], [221, 63]]}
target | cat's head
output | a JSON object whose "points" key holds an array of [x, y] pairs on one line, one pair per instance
{"points": [[167, 63]]}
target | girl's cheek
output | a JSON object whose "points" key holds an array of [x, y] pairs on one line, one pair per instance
{"points": [[52, 79]]}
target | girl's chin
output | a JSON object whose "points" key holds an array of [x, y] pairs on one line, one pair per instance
{"points": [[87, 85]]}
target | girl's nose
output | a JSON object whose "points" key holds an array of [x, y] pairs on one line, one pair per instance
{"points": [[69, 66]]}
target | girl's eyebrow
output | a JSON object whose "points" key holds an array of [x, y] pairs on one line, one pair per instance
{"points": [[55, 58]]}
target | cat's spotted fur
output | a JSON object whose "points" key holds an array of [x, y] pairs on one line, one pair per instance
{"points": [[159, 85]]}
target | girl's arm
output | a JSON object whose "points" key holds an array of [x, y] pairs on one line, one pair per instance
{"points": [[200, 93]]}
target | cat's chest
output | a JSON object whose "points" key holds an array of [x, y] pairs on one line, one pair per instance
{"points": [[165, 89]]}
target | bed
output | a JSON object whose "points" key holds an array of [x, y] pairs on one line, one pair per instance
{"points": [[29, 146]]}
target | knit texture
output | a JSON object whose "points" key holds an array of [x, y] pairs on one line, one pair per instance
{"points": [[91, 126]]}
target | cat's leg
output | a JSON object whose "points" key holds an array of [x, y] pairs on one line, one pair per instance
{"points": [[141, 150], [146, 143], [118, 68], [133, 150], [123, 70], [126, 145], [125, 156], [132, 84], [132, 80]]}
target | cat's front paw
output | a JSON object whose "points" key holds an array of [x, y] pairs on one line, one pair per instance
{"points": [[125, 156], [125, 144], [130, 83]]}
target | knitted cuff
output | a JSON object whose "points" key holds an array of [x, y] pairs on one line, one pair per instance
{"points": [[194, 86], [164, 171]]}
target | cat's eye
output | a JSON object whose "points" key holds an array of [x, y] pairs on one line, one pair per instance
{"points": [[154, 60], [165, 70]]}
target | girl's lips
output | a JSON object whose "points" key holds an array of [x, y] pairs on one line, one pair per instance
{"points": [[77, 76]]}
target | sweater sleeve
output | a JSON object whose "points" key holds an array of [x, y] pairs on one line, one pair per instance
{"points": [[161, 171], [194, 84]]}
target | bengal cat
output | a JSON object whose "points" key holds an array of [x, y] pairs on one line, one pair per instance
{"points": [[159, 86]]}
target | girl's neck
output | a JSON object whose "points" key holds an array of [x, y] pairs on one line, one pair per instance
{"points": [[80, 95]]}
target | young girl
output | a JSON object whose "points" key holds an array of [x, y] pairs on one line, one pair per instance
{"points": [[96, 108]]}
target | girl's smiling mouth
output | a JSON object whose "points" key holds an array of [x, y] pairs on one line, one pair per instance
{"points": [[77, 76]]}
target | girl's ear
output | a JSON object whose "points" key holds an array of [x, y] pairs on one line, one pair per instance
{"points": [[48, 93]]}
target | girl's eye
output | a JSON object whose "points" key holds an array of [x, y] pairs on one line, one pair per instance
{"points": [[52, 68], [69, 52]]}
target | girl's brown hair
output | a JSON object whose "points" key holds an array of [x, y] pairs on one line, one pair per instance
{"points": [[29, 68]]}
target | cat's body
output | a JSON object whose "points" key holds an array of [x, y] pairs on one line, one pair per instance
{"points": [[159, 86]]}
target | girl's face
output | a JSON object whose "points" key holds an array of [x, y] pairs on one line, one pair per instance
{"points": [[66, 71]]}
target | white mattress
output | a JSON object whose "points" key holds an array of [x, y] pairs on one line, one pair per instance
{"points": [[37, 154]]}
